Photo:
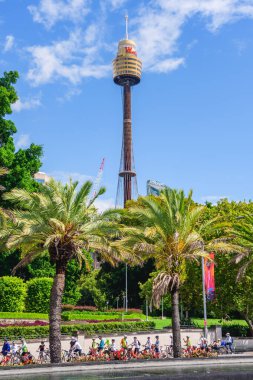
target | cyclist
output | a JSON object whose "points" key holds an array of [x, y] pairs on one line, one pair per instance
{"points": [[101, 344], [148, 344], [72, 342], [41, 350], [77, 348], [157, 344], [216, 345], [94, 344], [123, 342], [187, 343], [229, 342], [136, 344], [14, 347], [23, 348], [112, 346], [6, 347], [42, 346]]}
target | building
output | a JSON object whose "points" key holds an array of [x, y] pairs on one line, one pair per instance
{"points": [[154, 187], [42, 177], [127, 73]]}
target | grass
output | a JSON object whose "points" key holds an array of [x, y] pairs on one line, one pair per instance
{"points": [[10, 315], [159, 323], [198, 322], [74, 316]]}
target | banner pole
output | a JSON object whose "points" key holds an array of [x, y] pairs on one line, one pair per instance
{"points": [[204, 297]]}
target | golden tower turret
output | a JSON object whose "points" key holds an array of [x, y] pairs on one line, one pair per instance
{"points": [[127, 66]]}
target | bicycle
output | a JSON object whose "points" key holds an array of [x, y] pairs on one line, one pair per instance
{"points": [[44, 356], [69, 356]]}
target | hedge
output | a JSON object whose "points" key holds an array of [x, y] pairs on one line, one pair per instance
{"points": [[38, 294], [12, 294], [87, 329], [235, 330]]}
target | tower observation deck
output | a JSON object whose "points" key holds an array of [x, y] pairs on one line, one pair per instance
{"points": [[127, 73]]}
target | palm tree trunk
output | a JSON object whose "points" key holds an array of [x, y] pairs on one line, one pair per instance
{"points": [[55, 313], [176, 324]]}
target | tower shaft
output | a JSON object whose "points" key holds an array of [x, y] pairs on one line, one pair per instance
{"points": [[127, 73], [127, 144]]}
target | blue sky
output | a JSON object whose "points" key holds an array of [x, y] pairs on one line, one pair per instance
{"points": [[192, 112]]}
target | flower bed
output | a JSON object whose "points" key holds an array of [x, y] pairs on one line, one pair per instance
{"points": [[87, 321], [23, 324], [12, 332]]}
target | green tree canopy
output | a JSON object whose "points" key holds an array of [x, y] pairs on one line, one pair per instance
{"points": [[23, 163]]}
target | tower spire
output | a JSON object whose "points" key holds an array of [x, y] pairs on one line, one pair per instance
{"points": [[126, 18]]}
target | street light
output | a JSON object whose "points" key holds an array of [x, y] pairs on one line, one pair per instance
{"points": [[126, 290], [146, 308]]}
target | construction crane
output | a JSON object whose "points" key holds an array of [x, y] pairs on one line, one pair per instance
{"points": [[97, 181]]}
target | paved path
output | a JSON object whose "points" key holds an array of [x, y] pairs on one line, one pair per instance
{"points": [[231, 361]]}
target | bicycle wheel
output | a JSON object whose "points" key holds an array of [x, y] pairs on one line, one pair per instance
{"points": [[222, 351]]}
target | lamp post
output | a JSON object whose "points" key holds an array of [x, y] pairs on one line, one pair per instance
{"points": [[146, 308], [126, 290], [204, 297]]}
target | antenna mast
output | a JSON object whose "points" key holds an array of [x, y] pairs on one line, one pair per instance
{"points": [[126, 18]]}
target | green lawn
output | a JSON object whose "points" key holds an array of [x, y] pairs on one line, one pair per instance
{"points": [[198, 322], [159, 323], [9, 315]]}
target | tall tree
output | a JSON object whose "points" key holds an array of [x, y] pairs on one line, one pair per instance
{"points": [[167, 229], [64, 222], [242, 230], [22, 163]]}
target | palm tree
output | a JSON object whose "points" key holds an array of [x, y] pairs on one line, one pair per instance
{"points": [[64, 222], [242, 231], [168, 229]]}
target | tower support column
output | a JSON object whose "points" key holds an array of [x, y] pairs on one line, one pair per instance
{"points": [[127, 134]]}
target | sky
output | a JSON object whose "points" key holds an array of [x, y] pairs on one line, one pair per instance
{"points": [[192, 112]]}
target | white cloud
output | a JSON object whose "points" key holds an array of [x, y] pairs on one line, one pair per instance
{"points": [[23, 141], [160, 23], [48, 12], [117, 3], [26, 104], [166, 65], [104, 204], [63, 176], [213, 198], [69, 94], [73, 59], [157, 29], [9, 42]]}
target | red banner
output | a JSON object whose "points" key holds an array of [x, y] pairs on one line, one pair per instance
{"points": [[209, 277]]}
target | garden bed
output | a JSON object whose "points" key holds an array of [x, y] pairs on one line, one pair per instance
{"points": [[14, 332]]}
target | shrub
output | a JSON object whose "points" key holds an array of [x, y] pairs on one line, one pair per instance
{"points": [[88, 329], [235, 330], [38, 294], [129, 311], [79, 308], [12, 294]]}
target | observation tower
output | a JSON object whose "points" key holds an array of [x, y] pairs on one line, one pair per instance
{"points": [[126, 73]]}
